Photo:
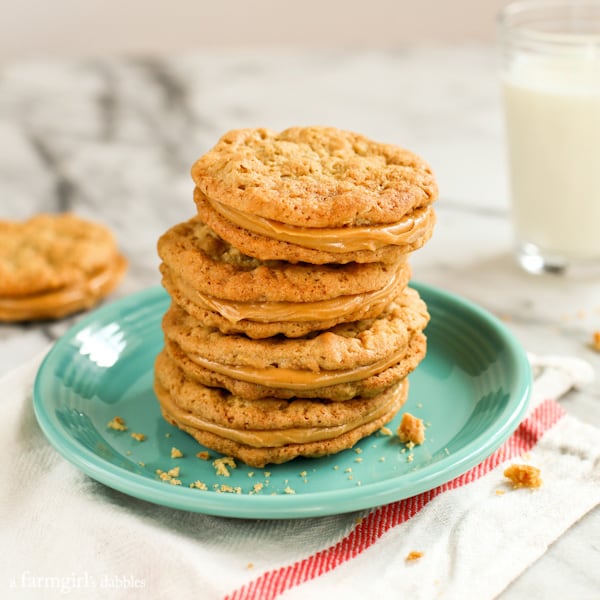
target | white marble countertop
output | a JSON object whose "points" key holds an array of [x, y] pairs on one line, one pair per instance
{"points": [[114, 140]]}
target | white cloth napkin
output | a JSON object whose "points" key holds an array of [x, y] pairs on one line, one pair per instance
{"points": [[64, 535]]}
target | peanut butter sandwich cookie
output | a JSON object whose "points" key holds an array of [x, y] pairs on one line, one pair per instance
{"points": [[270, 430], [217, 284], [315, 194], [55, 265], [350, 359]]}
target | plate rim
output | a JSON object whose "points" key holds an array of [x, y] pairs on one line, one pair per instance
{"points": [[282, 506]]}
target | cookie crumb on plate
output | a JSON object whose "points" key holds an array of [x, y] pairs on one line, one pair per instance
{"points": [[117, 423], [411, 430], [221, 464]]}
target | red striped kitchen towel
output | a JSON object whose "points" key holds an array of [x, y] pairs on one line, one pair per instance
{"points": [[474, 535]]}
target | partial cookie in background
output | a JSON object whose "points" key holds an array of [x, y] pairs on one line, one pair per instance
{"points": [[54, 265]]}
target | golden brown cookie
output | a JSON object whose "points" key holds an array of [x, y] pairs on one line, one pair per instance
{"points": [[54, 265], [340, 246], [223, 288], [340, 392], [351, 358], [314, 177], [62, 302], [266, 319], [197, 255], [248, 432]]}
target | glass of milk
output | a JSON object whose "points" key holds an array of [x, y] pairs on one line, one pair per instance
{"points": [[551, 91]]}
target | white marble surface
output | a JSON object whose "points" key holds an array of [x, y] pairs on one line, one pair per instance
{"points": [[114, 139]]}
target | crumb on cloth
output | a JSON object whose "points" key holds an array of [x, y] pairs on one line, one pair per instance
{"points": [[523, 476], [413, 555]]}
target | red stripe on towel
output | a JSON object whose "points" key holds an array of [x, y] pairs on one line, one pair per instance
{"points": [[273, 583]]}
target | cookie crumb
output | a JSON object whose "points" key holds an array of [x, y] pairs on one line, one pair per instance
{"points": [[176, 453], [138, 437], [413, 555], [596, 341], [167, 435], [117, 423], [199, 485], [385, 431], [204, 455], [250, 566], [229, 489], [411, 430], [169, 476], [523, 476], [257, 487], [500, 492], [221, 464], [289, 490]]}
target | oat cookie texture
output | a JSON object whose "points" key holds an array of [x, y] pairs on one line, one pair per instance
{"points": [[292, 327], [54, 265]]}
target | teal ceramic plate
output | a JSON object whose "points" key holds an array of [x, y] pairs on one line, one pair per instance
{"points": [[471, 390]]}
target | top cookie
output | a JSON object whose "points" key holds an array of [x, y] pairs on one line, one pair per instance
{"points": [[314, 177]]}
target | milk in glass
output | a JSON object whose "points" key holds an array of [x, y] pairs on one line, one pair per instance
{"points": [[553, 126], [551, 88]]}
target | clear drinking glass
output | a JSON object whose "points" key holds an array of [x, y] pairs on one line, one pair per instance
{"points": [[551, 92]]}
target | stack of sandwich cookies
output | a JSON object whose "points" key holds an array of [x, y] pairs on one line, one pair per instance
{"points": [[277, 346], [55, 265]]}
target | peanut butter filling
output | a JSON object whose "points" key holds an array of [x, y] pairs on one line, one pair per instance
{"points": [[276, 312], [341, 239], [279, 437], [296, 379]]}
